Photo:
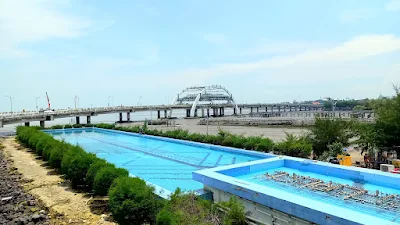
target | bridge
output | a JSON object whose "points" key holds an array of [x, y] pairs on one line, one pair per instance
{"points": [[211, 109]]}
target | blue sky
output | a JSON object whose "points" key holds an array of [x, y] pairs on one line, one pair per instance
{"points": [[262, 51]]}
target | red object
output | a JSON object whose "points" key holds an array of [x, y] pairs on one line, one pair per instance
{"points": [[396, 171]]}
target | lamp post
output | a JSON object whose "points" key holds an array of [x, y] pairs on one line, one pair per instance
{"points": [[37, 107], [9, 97], [76, 99]]}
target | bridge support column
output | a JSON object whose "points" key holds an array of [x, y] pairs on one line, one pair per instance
{"points": [[215, 112], [299, 108], [266, 109], [279, 108], [120, 117], [202, 112], [195, 113], [42, 125], [234, 111], [251, 110], [128, 116], [221, 111], [158, 114], [240, 111], [77, 120], [257, 109], [1, 123], [27, 124], [165, 113], [88, 120], [208, 112], [187, 112]]}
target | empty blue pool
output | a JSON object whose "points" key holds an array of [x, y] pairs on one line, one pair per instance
{"points": [[164, 162]]}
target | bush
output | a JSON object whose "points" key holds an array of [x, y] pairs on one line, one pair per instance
{"points": [[57, 127], [93, 169], [42, 143], [46, 153], [166, 217], [56, 155], [105, 177], [235, 212], [105, 126], [132, 201], [75, 164], [33, 140], [77, 126], [67, 126]]}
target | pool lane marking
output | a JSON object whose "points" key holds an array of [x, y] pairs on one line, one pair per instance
{"points": [[204, 159], [152, 154], [218, 160]]}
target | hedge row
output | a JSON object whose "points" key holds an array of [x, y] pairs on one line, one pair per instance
{"points": [[291, 146], [131, 200]]}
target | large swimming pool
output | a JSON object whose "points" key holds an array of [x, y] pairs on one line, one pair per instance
{"points": [[164, 162]]}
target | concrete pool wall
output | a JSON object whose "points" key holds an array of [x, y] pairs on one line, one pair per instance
{"points": [[223, 182]]}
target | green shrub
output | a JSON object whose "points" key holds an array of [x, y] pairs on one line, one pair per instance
{"points": [[105, 177], [235, 212], [77, 125], [228, 141], [266, 145], [57, 127], [42, 143], [75, 164], [33, 140], [93, 169], [56, 155], [132, 201], [67, 126], [166, 217], [89, 125], [46, 153], [105, 126]]}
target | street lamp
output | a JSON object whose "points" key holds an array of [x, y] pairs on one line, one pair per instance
{"points": [[76, 99], [9, 97], [37, 108], [109, 100]]}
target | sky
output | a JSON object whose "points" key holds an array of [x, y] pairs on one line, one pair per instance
{"points": [[148, 51]]}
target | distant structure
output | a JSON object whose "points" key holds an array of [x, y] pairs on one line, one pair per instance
{"points": [[204, 95]]}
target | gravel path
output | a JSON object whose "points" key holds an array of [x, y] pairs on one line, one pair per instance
{"points": [[16, 206]]}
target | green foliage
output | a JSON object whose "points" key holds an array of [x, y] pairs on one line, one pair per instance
{"points": [[132, 201], [294, 146], [77, 125], [67, 126], [387, 123], [57, 127], [56, 155], [93, 169], [235, 212], [42, 143], [105, 126], [327, 131], [186, 209], [105, 177], [365, 137]]}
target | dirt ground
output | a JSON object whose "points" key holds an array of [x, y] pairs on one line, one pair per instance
{"points": [[65, 205]]}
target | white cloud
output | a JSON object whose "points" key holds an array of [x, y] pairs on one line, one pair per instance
{"points": [[355, 15], [355, 49], [393, 5], [35, 20], [215, 38]]}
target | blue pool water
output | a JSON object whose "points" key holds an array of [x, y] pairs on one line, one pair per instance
{"points": [[259, 178], [163, 163]]}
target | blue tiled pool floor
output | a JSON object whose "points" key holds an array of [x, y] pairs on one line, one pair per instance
{"points": [[163, 163]]}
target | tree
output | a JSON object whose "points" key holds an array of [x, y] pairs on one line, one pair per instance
{"points": [[366, 137], [327, 131], [387, 123]]}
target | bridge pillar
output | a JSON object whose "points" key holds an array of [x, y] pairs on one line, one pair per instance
{"points": [[77, 120], [42, 125], [251, 110], [27, 124], [165, 113], [240, 111], [128, 116], [215, 112], [202, 112], [208, 112], [279, 108], [120, 117], [234, 111], [195, 113], [299, 108], [1, 123], [88, 119], [266, 109], [257, 109], [158, 114], [187, 112]]}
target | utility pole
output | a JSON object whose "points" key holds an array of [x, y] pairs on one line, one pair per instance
{"points": [[9, 97], [37, 107]]}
